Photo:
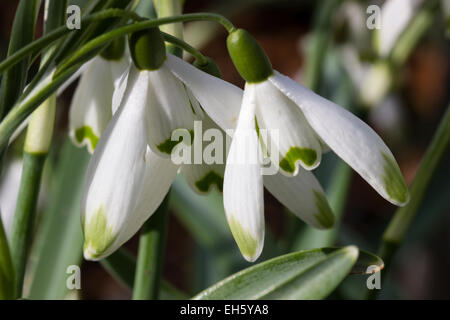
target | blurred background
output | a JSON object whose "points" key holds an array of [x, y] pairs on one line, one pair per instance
{"points": [[403, 105]]}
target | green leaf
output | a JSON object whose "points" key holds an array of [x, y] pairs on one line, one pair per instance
{"points": [[22, 34], [6, 268], [121, 265], [311, 274], [60, 238]]}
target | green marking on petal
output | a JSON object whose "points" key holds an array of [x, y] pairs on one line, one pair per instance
{"points": [[98, 236], [393, 180], [306, 155], [325, 215], [168, 145], [86, 133], [245, 241], [210, 179]]}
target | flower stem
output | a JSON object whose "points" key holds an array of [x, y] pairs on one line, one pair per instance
{"points": [[6, 268], [317, 44], [37, 145], [151, 254], [138, 26], [185, 46], [24, 215], [41, 43], [399, 224]]}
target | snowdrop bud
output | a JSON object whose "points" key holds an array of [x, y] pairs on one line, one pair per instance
{"points": [[115, 50], [147, 49], [210, 68], [249, 58]]}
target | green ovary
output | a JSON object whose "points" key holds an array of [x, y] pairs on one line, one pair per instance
{"points": [[306, 155], [324, 215], [87, 133], [210, 179], [246, 243], [168, 145], [98, 236], [393, 180]]}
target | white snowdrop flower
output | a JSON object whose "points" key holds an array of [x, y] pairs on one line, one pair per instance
{"points": [[91, 108], [306, 123], [243, 183]]}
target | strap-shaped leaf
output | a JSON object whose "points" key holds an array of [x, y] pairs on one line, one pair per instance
{"points": [[311, 274], [6, 269]]}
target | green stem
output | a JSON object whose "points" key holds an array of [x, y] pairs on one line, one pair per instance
{"points": [[151, 254], [122, 31], [201, 59], [26, 106], [318, 42], [121, 265], [41, 43], [24, 215], [400, 223], [414, 32], [6, 268]]}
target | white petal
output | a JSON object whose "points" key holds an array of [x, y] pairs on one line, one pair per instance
{"points": [[220, 99], [303, 196], [158, 177], [395, 17], [243, 184], [202, 178], [119, 72], [90, 110], [9, 190], [206, 169], [169, 108], [115, 174], [288, 132], [351, 139]]}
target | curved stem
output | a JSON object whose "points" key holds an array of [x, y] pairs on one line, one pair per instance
{"points": [[185, 46], [48, 39], [119, 32]]}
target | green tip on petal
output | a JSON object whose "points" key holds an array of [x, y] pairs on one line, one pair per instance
{"points": [[98, 236], [393, 181], [86, 133], [306, 155], [248, 57], [209, 180], [245, 241], [168, 145], [324, 215]]}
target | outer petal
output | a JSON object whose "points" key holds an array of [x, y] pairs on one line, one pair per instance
{"points": [[220, 99], [295, 141], [90, 110], [395, 16], [158, 177], [9, 190], [169, 108], [351, 139], [243, 184], [211, 148], [115, 174], [303, 196]]}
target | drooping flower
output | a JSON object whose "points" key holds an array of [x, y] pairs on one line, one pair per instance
{"points": [[306, 123], [243, 196], [119, 197], [91, 107], [131, 169]]}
